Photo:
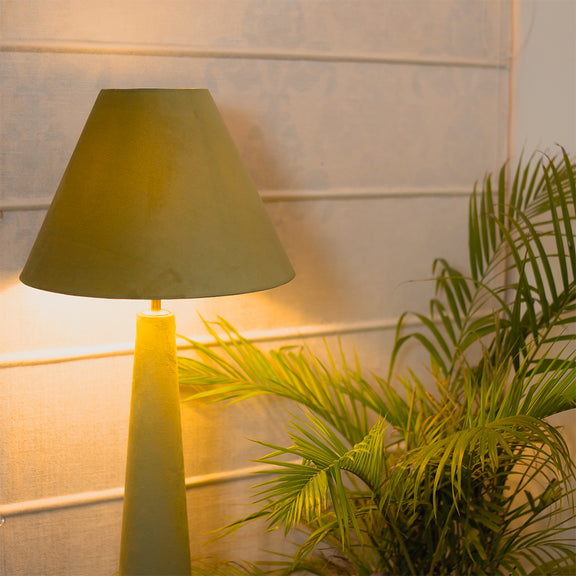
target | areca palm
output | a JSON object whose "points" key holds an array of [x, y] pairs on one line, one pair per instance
{"points": [[458, 473]]}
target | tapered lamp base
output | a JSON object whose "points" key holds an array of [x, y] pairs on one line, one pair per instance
{"points": [[154, 525]]}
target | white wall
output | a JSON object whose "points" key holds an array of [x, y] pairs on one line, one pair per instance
{"points": [[544, 98], [545, 75], [363, 122]]}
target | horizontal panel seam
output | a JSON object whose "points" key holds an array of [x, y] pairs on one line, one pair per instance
{"points": [[363, 193], [58, 355], [116, 494], [169, 50]]}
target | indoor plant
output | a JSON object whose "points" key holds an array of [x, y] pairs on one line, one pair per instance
{"points": [[459, 472]]}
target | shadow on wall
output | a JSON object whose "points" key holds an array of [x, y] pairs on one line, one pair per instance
{"points": [[296, 222]]}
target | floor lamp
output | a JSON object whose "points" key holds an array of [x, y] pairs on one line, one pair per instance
{"points": [[155, 204]]}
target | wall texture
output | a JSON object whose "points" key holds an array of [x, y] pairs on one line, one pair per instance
{"points": [[544, 99], [364, 124]]}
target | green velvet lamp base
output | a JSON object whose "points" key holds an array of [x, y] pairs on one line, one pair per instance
{"points": [[154, 526]]}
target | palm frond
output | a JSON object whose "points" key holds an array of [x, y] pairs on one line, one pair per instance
{"points": [[236, 370], [299, 492], [458, 471], [506, 242]]}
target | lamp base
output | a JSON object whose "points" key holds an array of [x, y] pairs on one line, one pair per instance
{"points": [[154, 524]]}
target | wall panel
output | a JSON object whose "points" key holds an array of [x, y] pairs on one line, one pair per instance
{"points": [[70, 541], [451, 28], [298, 125], [86, 539]]}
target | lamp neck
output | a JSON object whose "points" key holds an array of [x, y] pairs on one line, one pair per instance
{"points": [[156, 310]]}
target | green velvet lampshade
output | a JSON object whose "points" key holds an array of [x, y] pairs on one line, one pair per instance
{"points": [[156, 204]]}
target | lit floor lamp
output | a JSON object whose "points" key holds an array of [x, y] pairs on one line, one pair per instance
{"points": [[155, 204]]}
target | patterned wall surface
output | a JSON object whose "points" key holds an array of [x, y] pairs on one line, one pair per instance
{"points": [[364, 124]]}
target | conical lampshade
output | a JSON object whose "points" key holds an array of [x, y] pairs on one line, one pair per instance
{"points": [[156, 204]]}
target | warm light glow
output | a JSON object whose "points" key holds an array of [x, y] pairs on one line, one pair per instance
{"points": [[155, 312], [39, 320], [48, 325]]}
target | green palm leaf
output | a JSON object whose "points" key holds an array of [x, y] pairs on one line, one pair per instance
{"points": [[299, 492], [506, 241], [238, 370], [456, 472]]}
